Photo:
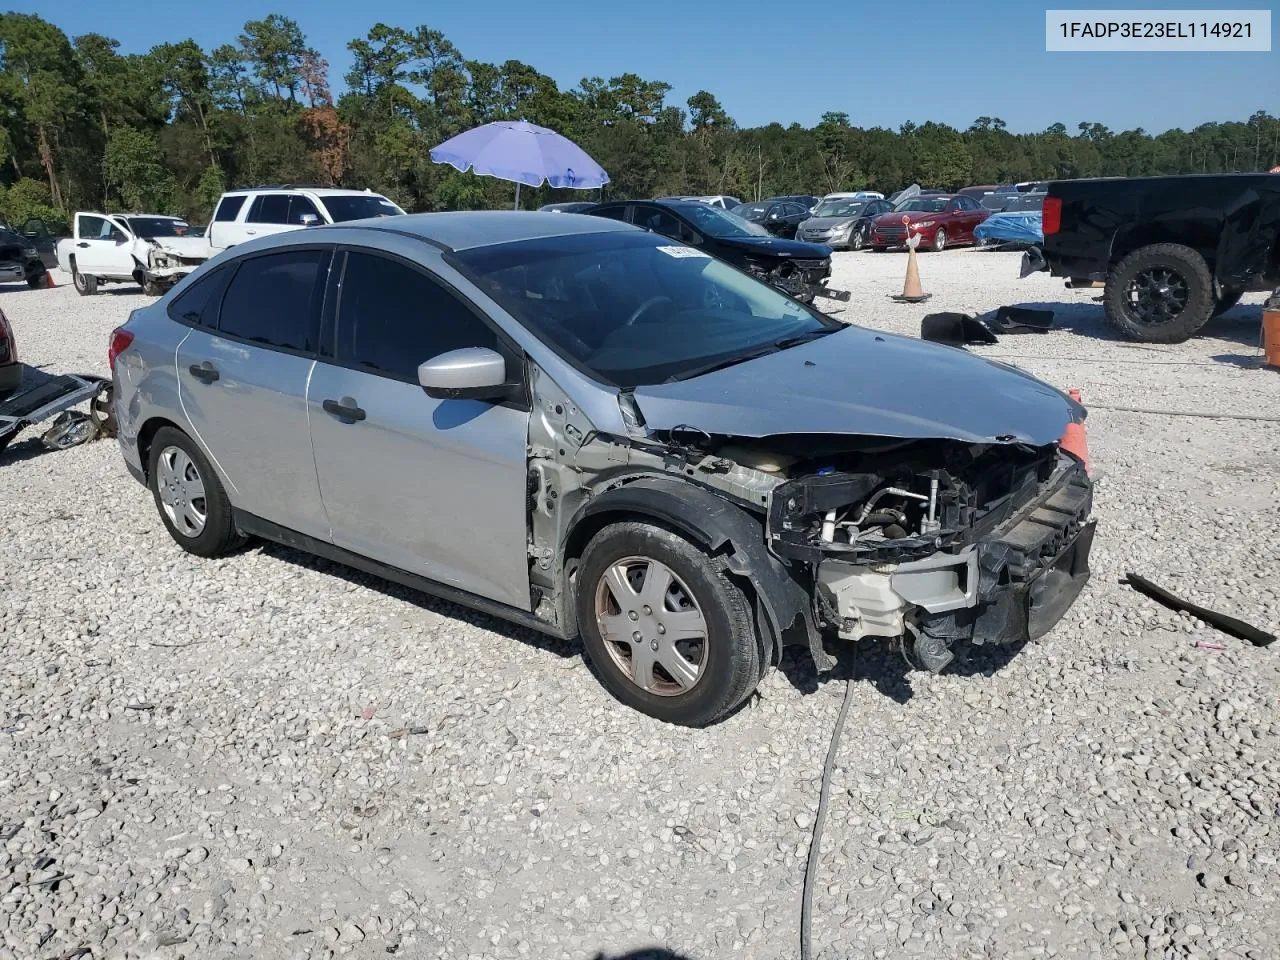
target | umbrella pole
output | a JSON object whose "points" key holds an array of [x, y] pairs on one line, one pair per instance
{"points": [[517, 195]]}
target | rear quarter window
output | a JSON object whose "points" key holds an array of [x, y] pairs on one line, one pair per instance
{"points": [[228, 208]]}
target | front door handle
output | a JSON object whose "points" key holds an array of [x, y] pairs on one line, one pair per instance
{"points": [[344, 409], [82, 243], [204, 372], [252, 233]]}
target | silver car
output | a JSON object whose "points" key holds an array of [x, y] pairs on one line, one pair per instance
{"points": [[594, 430]]}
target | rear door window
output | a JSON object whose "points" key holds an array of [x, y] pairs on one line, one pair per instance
{"points": [[228, 208], [392, 317], [270, 208], [611, 213], [274, 300]]}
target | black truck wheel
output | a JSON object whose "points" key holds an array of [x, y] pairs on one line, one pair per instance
{"points": [[1162, 293]]}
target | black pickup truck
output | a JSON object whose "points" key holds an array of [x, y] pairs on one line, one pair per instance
{"points": [[1174, 251]]}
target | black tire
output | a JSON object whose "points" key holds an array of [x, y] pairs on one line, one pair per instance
{"points": [[218, 535], [1228, 300], [1159, 294], [939, 239], [731, 659], [36, 281], [85, 286], [152, 288], [876, 249], [859, 239]]}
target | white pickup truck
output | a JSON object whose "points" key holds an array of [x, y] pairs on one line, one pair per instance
{"points": [[148, 249]]}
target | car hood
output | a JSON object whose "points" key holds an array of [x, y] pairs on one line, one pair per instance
{"points": [[184, 246], [826, 223], [862, 382], [776, 247]]}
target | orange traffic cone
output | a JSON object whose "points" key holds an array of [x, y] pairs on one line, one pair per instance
{"points": [[911, 290], [48, 280], [1074, 439]]}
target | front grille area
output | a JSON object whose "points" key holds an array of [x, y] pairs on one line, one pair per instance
{"points": [[891, 233]]}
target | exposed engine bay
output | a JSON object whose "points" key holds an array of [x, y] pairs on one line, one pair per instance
{"points": [[802, 279], [934, 540]]}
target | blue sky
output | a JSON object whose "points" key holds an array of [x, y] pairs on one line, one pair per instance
{"points": [[767, 61]]}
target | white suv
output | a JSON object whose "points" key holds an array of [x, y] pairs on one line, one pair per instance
{"points": [[260, 211]]}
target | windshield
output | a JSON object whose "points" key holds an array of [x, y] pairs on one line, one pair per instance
{"points": [[840, 208], [720, 224], [924, 204], [751, 211], [637, 309], [151, 227], [359, 207]]}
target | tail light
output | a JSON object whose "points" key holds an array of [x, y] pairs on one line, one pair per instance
{"points": [[1052, 215], [120, 340]]}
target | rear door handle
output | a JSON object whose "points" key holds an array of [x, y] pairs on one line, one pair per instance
{"points": [[205, 372], [344, 409], [82, 243]]}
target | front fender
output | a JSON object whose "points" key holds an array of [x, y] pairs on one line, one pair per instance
{"points": [[784, 604]]}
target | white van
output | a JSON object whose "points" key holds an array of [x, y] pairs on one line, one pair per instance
{"points": [[261, 211]]}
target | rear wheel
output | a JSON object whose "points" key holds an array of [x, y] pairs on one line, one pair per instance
{"points": [[1162, 293], [192, 502], [85, 286], [667, 630]]}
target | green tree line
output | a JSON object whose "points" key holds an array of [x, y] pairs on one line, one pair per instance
{"points": [[84, 126]]}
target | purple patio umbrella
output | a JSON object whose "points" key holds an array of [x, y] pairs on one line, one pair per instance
{"points": [[524, 153]]}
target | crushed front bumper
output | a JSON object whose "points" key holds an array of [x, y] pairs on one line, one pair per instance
{"points": [[1009, 585]]}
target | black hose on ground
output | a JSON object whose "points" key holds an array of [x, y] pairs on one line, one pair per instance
{"points": [[815, 843]]}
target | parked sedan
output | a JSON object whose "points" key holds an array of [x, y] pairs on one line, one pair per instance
{"points": [[939, 220], [586, 429], [800, 269], [841, 223], [779, 217]]}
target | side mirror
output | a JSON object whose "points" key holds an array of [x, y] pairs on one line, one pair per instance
{"points": [[308, 219], [470, 373]]}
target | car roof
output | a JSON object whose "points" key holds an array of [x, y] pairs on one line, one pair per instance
{"points": [[318, 191], [468, 229]]}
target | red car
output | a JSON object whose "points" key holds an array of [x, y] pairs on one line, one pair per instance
{"points": [[941, 221]]}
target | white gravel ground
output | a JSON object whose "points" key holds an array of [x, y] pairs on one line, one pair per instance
{"points": [[204, 759]]}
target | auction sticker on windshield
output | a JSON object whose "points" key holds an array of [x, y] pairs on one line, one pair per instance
{"points": [[680, 252], [1179, 31]]}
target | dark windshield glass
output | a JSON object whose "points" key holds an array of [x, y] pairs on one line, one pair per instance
{"points": [[637, 308], [149, 227], [924, 205], [752, 211], [359, 208], [1026, 201], [718, 223], [840, 208]]}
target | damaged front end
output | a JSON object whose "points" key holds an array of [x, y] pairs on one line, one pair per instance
{"points": [[802, 279], [164, 266], [940, 540]]}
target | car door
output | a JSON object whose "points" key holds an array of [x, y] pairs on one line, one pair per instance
{"points": [[37, 233], [976, 213], [102, 247], [242, 379], [434, 487], [268, 214], [794, 214]]}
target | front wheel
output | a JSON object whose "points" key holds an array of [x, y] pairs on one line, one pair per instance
{"points": [[667, 630], [859, 240], [85, 286], [940, 240], [1162, 293]]}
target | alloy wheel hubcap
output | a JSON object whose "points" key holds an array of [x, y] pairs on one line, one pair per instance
{"points": [[651, 626], [181, 491], [1157, 295]]}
